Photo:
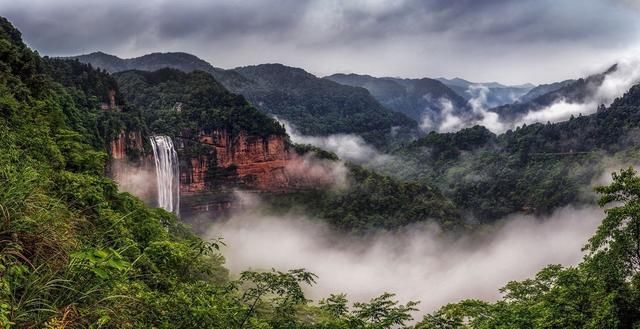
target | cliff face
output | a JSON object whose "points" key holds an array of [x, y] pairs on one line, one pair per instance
{"points": [[212, 165], [131, 141], [253, 162]]}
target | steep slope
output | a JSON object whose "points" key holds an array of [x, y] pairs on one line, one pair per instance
{"points": [[313, 105], [540, 90], [223, 142], [417, 98], [75, 251], [578, 91], [535, 168], [318, 106]]}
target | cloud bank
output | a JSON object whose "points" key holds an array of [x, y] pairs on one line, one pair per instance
{"points": [[615, 84], [417, 263], [348, 147]]}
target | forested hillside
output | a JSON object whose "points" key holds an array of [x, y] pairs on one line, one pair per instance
{"points": [[534, 168], [416, 98], [371, 202], [544, 89], [76, 253], [204, 104], [315, 106], [600, 292]]}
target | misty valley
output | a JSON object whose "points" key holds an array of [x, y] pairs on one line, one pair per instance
{"points": [[161, 191]]}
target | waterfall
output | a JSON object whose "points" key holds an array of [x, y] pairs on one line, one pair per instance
{"points": [[167, 173]]}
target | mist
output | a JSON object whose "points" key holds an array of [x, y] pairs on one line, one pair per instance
{"points": [[450, 121], [614, 85], [419, 262], [348, 147], [135, 179]]}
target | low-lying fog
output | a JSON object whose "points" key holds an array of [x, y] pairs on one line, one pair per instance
{"points": [[419, 263]]}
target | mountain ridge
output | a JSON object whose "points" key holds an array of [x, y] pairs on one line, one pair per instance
{"points": [[315, 106]]}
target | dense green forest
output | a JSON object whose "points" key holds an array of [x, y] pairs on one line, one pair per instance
{"points": [[77, 253], [315, 106], [172, 102], [535, 168], [371, 202], [601, 292]]}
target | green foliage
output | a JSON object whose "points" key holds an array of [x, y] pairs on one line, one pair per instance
{"points": [[173, 102], [601, 292], [77, 253], [284, 286], [302, 149], [383, 312], [319, 106], [534, 169], [371, 201]]}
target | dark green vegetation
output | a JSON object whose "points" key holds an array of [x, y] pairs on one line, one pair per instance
{"points": [[76, 253], [172, 102], [535, 168], [601, 292], [371, 202], [318, 106], [413, 97], [315, 106]]}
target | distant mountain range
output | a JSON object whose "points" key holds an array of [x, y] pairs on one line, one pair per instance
{"points": [[369, 106], [570, 91], [466, 83], [490, 94], [315, 106], [540, 90], [416, 98]]}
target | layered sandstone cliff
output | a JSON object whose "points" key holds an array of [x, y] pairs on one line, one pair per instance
{"points": [[126, 141], [213, 165], [250, 161]]}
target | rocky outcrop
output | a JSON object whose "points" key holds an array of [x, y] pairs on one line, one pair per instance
{"points": [[213, 165], [126, 143], [252, 162]]}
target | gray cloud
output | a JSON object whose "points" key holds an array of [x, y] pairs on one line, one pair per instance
{"points": [[418, 263], [481, 40]]}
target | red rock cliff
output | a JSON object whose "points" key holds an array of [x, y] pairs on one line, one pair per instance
{"points": [[212, 165], [126, 141], [254, 162]]}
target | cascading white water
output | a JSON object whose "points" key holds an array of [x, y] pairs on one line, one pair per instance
{"points": [[167, 173]]}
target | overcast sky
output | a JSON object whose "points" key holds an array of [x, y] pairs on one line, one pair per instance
{"points": [[481, 40]]}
